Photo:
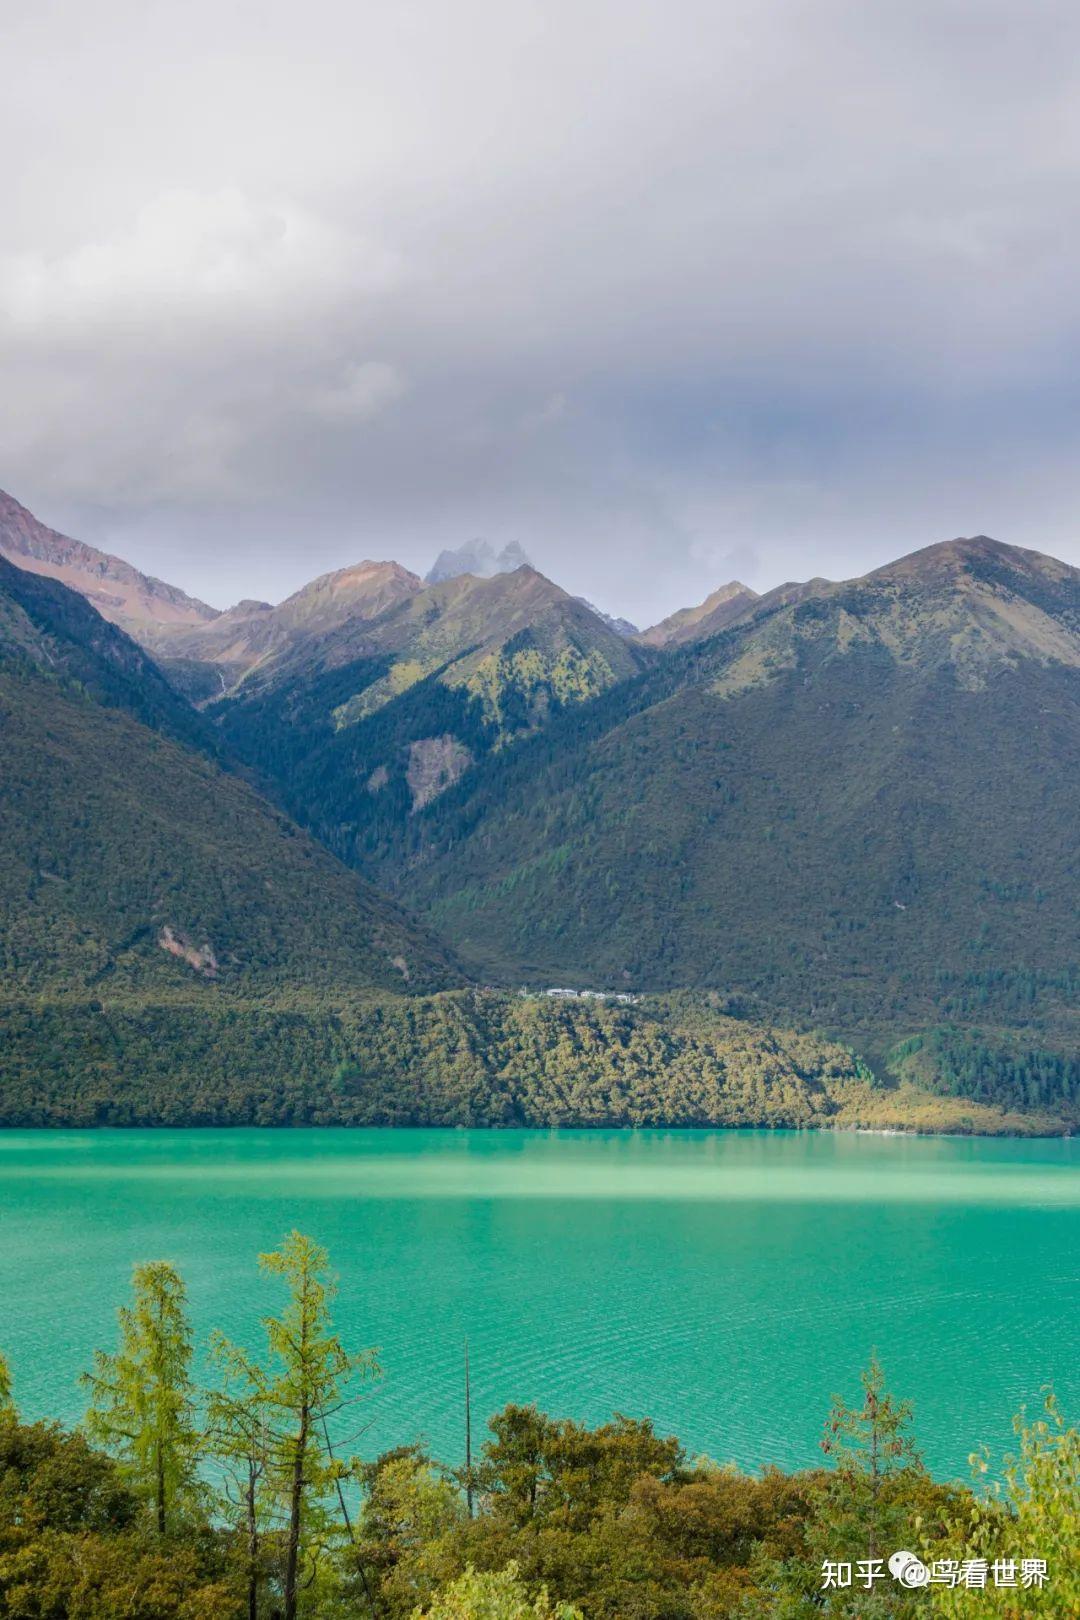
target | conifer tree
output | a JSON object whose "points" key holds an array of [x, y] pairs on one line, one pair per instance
{"points": [[493, 1595], [295, 1397], [7, 1402], [142, 1400], [871, 1444]]}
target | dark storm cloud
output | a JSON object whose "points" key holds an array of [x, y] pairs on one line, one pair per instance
{"points": [[653, 289]]}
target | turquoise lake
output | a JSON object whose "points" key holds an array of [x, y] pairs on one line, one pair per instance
{"points": [[724, 1283]]}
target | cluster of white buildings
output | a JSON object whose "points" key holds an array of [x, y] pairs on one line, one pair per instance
{"points": [[589, 995]]}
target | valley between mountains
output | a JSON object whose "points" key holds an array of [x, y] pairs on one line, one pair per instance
{"points": [[815, 850]]}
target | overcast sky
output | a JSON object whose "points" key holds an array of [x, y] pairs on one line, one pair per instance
{"points": [[667, 292]]}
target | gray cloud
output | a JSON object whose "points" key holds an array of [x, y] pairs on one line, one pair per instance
{"points": [[647, 288]]}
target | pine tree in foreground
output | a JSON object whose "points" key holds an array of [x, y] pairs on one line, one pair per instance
{"points": [[142, 1401], [289, 1404]]}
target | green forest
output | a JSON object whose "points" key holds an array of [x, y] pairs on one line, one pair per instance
{"points": [[825, 846], [468, 1057], [214, 1482]]}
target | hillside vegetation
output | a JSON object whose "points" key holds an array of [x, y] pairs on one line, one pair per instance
{"points": [[465, 1058], [130, 860], [365, 723], [175, 950], [859, 810], [853, 809]]}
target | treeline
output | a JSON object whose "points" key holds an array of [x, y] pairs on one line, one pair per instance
{"points": [[244, 1499]]}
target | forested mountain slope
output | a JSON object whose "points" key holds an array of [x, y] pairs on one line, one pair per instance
{"points": [[853, 809], [364, 724], [46, 626], [448, 669], [858, 807], [128, 857], [175, 950]]}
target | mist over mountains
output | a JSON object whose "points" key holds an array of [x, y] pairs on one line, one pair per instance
{"points": [[476, 557]]}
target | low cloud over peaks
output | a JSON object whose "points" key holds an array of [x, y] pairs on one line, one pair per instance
{"points": [[646, 291]]}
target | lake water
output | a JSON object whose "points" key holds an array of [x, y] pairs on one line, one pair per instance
{"points": [[724, 1283]]}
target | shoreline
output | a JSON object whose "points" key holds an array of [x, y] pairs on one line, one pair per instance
{"points": [[576, 1127]]}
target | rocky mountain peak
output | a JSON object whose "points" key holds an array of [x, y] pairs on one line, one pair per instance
{"points": [[973, 605], [943, 564], [621, 627], [479, 558], [119, 592]]}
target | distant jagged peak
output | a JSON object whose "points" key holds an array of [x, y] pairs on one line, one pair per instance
{"points": [[719, 609], [511, 557], [621, 627], [479, 558], [120, 592]]}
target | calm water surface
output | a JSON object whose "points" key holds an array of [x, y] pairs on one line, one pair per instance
{"points": [[725, 1283]]}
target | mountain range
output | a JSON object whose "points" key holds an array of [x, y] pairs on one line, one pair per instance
{"points": [[857, 805], [846, 807]]}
